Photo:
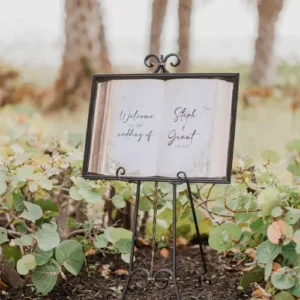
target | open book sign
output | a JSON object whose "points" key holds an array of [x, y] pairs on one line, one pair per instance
{"points": [[157, 125]]}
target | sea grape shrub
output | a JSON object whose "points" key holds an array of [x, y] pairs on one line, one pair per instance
{"points": [[40, 188], [258, 216]]}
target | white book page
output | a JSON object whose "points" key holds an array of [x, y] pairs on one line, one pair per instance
{"points": [[221, 130], [185, 142], [133, 132]]}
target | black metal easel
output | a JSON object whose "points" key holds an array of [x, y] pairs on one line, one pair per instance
{"points": [[150, 277]]}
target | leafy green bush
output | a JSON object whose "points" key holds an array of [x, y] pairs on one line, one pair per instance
{"points": [[261, 210]]}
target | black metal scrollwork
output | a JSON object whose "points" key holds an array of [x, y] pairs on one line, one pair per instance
{"points": [[161, 62]]}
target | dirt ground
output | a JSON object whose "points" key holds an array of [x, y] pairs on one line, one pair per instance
{"points": [[104, 278]]}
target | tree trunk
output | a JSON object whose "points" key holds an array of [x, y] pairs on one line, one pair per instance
{"points": [[85, 53], [159, 8], [184, 16], [263, 69]]}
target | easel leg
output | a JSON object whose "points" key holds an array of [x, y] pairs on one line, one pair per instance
{"points": [[174, 244], [135, 216], [196, 226]]}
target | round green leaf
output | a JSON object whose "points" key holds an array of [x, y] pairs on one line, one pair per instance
{"points": [[126, 257], [22, 268], [268, 199], [90, 196], [127, 195], [145, 204], [47, 238], [284, 296], [124, 245], [74, 193], [44, 277], [267, 251], [42, 257], [283, 279], [29, 261], [33, 212], [113, 235], [276, 212], [118, 201], [148, 188], [3, 235], [25, 172], [69, 253], [222, 237], [46, 184], [271, 156], [101, 241], [292, 216]]}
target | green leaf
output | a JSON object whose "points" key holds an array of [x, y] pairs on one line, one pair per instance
{"points": [[69, 253], [25, 264], [3, 184], [295, 290], [145, 204], [33, 186], [268, 269], [267, 251], [46, 184], [25, 172], [221, 238], [283, 279], [267, 200], [90, 196], [18, 200], [118, 201], [148, 188], [113, 235], [294, 145], [124, 245], [3, 235], [44, 277], [47, 238], [284, 296], [74, 193], [126, 257], [25, 240], [289, 252], [47, 205], [255, 275], [292, 216], [101, 241], [271, 156], [127, 195], [276, 212], [29, 261], [42, 257], [22, 268], [33, 212]]}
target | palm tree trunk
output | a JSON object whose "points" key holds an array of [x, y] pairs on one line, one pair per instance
{"points": [[263, 69], [85, 53], [159, 8], [184, 16]]}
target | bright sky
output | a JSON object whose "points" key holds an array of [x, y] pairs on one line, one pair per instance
{"points": [[36, 26]]}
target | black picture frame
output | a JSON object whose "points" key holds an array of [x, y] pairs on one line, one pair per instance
{"points": [[230, 77]]}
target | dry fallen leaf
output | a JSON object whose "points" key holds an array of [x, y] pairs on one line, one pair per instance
{"points": [[276, 266], [91, 251], [277, 230], [164, 252], [235, 251], [181, 241], [251, 253], [141, 242], [3, 285], [248, 269], [257, 293], [121, 272]]}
